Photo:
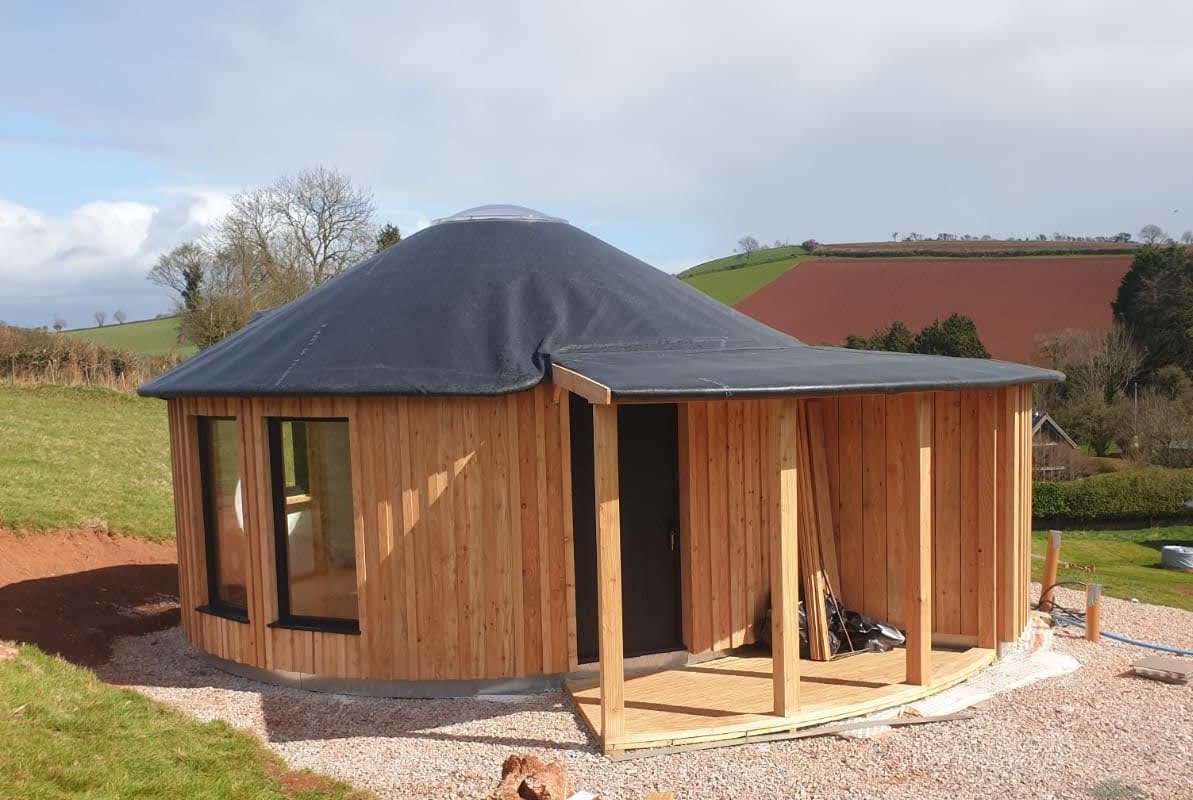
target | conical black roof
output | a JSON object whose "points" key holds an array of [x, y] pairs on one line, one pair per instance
{"points": [[468, 306], [484, 302]]}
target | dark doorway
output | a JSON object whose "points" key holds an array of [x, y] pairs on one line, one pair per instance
{"points": [[647, 461]]}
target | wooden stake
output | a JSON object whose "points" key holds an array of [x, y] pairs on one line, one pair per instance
{"points": [[1051, 561], [1093, 612]]}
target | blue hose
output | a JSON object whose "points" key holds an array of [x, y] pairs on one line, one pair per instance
{"points": [[1163, 648]]}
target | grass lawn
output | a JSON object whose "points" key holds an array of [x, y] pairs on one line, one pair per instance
{"points": [[732, 285], [65, 735], [72, 457], [1128, 563], [155, 337]]}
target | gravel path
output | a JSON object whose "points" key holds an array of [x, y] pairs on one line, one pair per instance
{"points": [[1094, 733]]}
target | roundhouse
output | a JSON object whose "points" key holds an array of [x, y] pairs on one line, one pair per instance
{"points": [[503, 453]]}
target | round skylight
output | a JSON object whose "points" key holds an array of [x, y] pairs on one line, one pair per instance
{"points": [[500, 211]]}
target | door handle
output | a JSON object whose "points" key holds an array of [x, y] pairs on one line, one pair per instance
{"points": [[673, 541]]}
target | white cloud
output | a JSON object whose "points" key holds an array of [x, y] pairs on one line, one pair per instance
{"points": [[99, 253]]}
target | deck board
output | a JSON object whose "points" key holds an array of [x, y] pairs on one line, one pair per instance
{"points": [[728, 698]]}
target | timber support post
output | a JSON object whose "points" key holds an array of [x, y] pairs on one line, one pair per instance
{"points": [[918, 544], [608, 543], [784, 559]]}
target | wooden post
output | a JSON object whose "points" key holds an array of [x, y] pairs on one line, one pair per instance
{"points": [[918, 544], [987, 532], [1051, 561], [1093, 612], [784, 558], [608, 541]]}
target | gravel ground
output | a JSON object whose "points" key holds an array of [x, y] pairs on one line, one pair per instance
{"points": [[1095, 733]]}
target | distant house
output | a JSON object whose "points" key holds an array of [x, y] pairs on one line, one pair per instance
{"points": [[1052, 448]]}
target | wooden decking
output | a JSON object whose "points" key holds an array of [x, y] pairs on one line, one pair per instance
{"points": [[730, 698]]}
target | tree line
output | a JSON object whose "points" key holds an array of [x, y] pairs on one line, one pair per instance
{"points": [[1130, 388], [956, 335], [275, 244]]}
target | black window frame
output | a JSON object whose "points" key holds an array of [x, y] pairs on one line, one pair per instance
{"points": [[214, 605], [279, 491]]}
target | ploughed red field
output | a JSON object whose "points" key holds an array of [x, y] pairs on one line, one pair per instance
{"points": [[1011, 300]]}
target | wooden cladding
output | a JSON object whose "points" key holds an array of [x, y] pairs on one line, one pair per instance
{"points": [[979, 503], [462, 518], [462, 523]]}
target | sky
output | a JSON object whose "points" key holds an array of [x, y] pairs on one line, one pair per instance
{"points": [[669, 129]]}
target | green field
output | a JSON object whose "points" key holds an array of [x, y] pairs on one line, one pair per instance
{"points": [[155, 337], [739, 260], [74, 457], [65, 734], [731, 284], [1127, 563]]}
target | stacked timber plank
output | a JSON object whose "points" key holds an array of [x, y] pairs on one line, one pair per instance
{"points": [[817, 549]]}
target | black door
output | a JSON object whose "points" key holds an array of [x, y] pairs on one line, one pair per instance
{"points": [[648, 465]]}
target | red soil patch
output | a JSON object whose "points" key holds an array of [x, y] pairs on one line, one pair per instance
{"points": [[1011, 300], [73, 592]]}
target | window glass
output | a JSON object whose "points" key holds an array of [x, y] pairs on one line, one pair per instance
{"points": [[223, 509], [316, 541]]}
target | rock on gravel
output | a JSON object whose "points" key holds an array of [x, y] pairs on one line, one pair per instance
{"points": [[1098, 732]]}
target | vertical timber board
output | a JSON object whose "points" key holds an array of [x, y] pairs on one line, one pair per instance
{"points": [[412, 509], [544, 533], [828, 409], [970, 511], [502, 508], [919, 544], [1008, 503], [701, 557], [784, 544], [768, 500], [946, 453], [718, 523], [422, 536], [1025, 471], [757, 585], [987, 520], [685, 524], [569, 561], [182, 528], [736, 528], [518, 514], [608, 535], [391, 571], [471, 478], [557, 595], [532, 642], [902, 465], [849, 502], [363, 448], [874, 516], [444, 570]]}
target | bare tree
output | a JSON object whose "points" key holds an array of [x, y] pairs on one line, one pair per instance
{"points": [[1150, 234], [100, 318], [747, 245], [120, 317], [274, 245], [59, 323], [1187, 237]]}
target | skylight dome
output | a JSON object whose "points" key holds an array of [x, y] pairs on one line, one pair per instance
{"points": [[500, 211]]}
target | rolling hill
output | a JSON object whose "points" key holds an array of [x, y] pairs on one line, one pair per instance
{"points": [[151, 336]]}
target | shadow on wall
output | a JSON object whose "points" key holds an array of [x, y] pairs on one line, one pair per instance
{"points": [[78, 615]]}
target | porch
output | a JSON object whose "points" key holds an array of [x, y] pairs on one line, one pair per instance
{"points": [[731, 698]]}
